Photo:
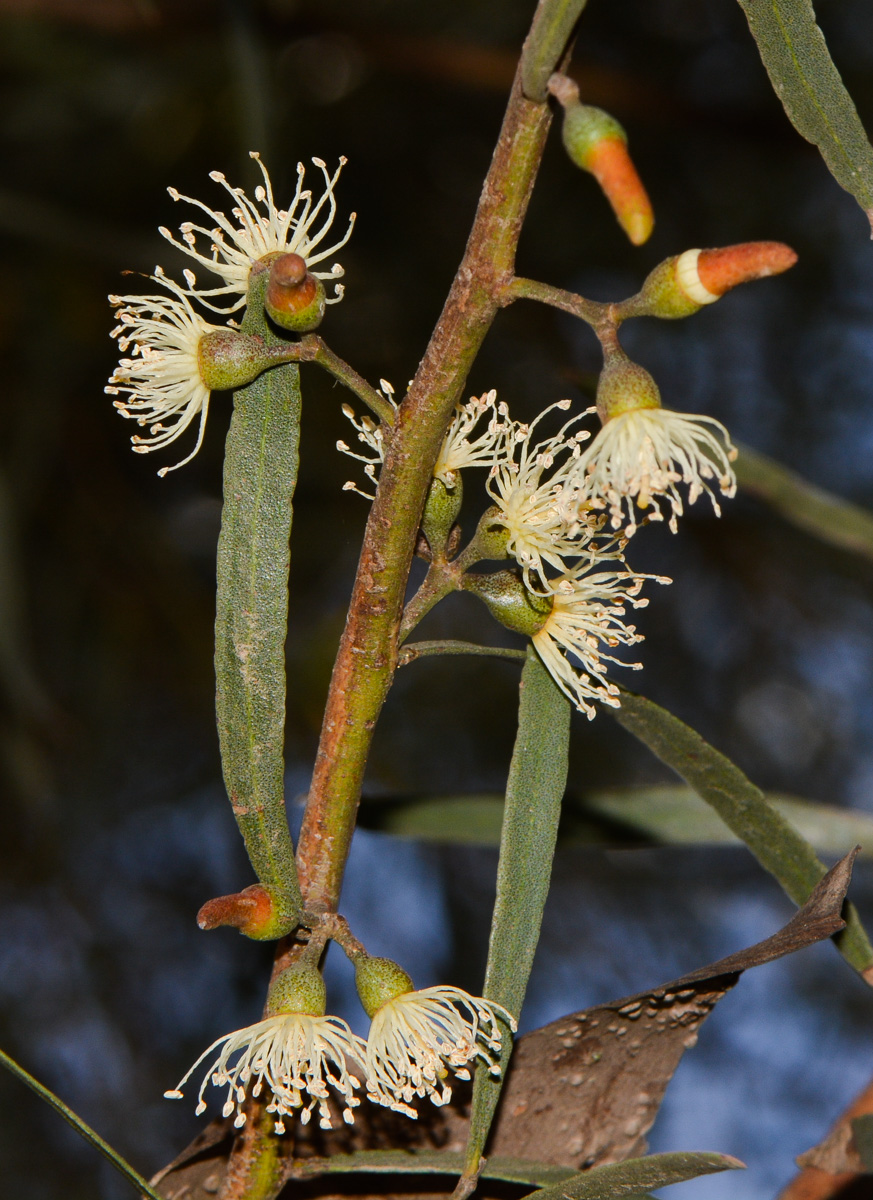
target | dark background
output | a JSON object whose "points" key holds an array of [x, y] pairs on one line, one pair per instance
{"points": [[115, 828]]}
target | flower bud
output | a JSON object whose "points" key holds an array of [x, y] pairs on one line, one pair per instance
{"points": [[379, 980], [597, 143], [441, 510], [258, 912], [681, 285], [228, 359], [299, 989], [510, 602], [624, 386], [294, 298]]}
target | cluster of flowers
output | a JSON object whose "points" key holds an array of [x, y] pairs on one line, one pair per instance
{"points": [[568, 510], [416, 1038], [165, 383]]}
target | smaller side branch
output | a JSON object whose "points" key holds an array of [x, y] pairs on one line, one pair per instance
{"points": [[416, 650], [314, 349], [590, 311]]}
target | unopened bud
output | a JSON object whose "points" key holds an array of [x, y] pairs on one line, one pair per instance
{"points": [[510, 601], [379, 980], [228, 359], [299, 989], [683, 284], [260, 913], [441, 510], [597, 143], [294, 298], [624, 386]]}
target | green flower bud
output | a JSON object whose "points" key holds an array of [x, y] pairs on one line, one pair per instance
{"points": [[300, 989], [379, 980], [510, 602], [624, 386], [293, 298], [440, 512], [492, 536], [228, 359]]}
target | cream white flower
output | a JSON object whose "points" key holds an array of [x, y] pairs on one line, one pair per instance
{"points": [[162, 381], [370, 435], [298, 1056], [639, 456], [417, 1038], [529, 485], [260, 228], [459, 451], [586, 620]]}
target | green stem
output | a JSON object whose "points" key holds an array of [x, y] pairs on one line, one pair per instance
{"points": [[367, 655], [81, 1127], [551, 31], [347, 375], [590, 311], [415, 650]]}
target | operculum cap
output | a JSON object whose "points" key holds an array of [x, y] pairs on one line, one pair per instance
{"points": [[294, 299], [510, 602], [379, 980], [624, 386], [299, 989], [261, 913]]}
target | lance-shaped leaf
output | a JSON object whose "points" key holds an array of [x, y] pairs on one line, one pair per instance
{"points": [[743, 807], [822, 514], [537, 778], [260, 473], [637, 1175], [796, 56]]}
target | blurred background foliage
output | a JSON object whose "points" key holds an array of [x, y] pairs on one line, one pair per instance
{"points": [[115, 828]]}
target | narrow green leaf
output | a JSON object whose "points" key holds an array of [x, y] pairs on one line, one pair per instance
{"points": [[636, 1175], [537, 778], [810, 508], [81, 1127], [744, 809], [676, 816], [550, 32], [796, 56], [260, 473], [460, 820], [437, 1162]]}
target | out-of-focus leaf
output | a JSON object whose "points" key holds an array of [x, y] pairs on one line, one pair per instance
{"points": [[474, 820], [777, 846], [668, 814], [534, 790], [845, 1151], [81, 1127], [796, 56], [431, 1162], [676, 816], [638, 1174], [810, 508]]}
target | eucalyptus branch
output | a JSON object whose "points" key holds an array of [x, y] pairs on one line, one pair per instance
{"points": [[590, 311], [551, 31], [415, 650], [315, 349], [367, 655]]}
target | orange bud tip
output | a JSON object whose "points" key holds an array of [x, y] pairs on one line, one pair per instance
{"points": [[720, 270], [611, 165], [250, 911]]}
